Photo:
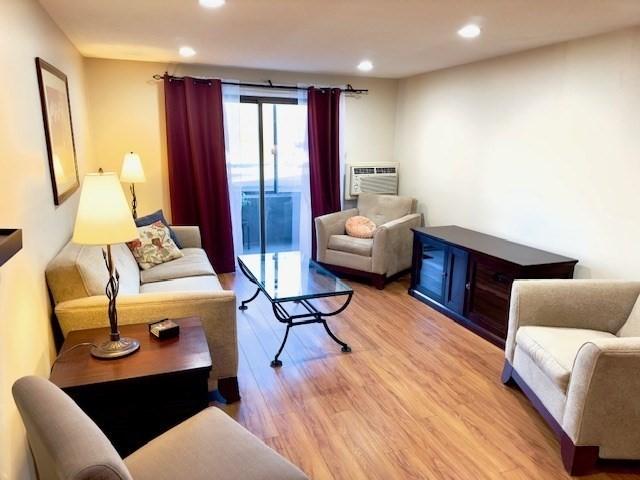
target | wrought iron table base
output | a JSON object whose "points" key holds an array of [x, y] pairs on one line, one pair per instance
{"points": [[313, 315]]}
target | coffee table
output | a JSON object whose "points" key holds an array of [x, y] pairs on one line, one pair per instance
{"points": [[291, 277]]}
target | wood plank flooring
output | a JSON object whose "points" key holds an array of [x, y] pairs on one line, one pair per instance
{"points": [[418, 398]]}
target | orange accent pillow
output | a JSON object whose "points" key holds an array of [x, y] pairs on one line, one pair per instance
{"points": [[360, 227]]}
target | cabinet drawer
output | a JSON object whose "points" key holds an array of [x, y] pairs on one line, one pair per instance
{"points": [[489, 296]]}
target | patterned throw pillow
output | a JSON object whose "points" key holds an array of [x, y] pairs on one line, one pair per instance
{"points": [[154, 246], [155, 217], [360, 227]]}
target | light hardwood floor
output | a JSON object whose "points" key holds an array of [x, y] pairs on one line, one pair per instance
{"points": [[418, 398]]}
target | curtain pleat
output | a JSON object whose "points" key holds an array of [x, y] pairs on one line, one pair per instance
{"points": [[324, 152], [197, 165]]}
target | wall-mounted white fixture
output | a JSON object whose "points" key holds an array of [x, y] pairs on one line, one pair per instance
{"points": [[186, 51], [365, 66], [211, 3], [470, 31]]}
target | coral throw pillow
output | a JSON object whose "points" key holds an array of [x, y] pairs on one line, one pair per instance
{"points": [[154, 246], [360, 227]]}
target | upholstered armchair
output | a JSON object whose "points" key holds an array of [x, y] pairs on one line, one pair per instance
{"points": [[573, 347], [377, 258], [67, 445]]}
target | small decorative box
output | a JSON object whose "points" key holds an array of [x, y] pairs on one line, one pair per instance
{"points": [[163, 329]]}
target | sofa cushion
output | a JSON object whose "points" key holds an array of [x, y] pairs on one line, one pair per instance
{"points": [[158, 217], [209, 445], [631, 328], [193, 263], [348, 244], [154, 246], [207, 283], [384, 208], [79, 271], [554, 349]]}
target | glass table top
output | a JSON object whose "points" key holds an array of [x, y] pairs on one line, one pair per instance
{"points": [[290, 276]]}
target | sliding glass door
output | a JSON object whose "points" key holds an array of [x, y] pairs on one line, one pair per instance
{"points": [[268, 175]]}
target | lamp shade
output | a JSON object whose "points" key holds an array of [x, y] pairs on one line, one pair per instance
{"points": [[132, 171], [103, 214]]}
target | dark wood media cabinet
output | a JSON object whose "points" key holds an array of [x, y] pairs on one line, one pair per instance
{"points": [[467, 275]]}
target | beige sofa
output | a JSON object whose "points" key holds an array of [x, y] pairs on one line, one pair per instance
{"points": [[378, 258], [67, 445], [574, 348], [184, 287]]}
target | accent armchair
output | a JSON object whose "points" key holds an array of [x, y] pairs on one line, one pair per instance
{"points": [[378, 258], [67, 445], [573, 347]]}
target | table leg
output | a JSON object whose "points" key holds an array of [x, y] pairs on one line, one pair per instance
{"points": [[345, 348], [275, 362], [243, 305]]}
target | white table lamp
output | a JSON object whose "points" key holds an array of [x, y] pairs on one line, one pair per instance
{"points": [[132, 172], [103, 218]]}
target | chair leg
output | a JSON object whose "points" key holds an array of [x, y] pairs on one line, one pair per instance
{"points": [[577, 459], [507, 375], [228, 388], [378, 280]]}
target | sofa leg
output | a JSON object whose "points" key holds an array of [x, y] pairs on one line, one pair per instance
{"points": [[378, 280], [507, 375], [577, 459], [228, 388]]}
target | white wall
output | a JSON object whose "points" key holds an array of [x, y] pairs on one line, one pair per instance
{"points": [[26, 202], [541, 147], [127, 113]]}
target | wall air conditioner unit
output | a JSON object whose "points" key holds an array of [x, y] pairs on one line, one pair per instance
{"points": [[371, 178]]}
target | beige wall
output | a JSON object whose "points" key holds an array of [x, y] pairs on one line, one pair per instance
{"points": [[27, 202], [541, 147], [127, 113]]}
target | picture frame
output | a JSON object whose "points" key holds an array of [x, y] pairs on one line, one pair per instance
{"points": [[58, 130]]}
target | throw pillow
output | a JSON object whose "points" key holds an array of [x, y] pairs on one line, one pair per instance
{"points": [[158, 217], [154, 246], [360, 227], [631, 327]]}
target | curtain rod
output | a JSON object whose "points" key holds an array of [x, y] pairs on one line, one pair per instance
{"points": [[269, 84]]}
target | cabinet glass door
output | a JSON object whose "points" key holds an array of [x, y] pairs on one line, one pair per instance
{"points": [[433, 269]]}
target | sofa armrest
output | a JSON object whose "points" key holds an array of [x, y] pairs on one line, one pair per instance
{"points": [[330, 224], [188, 236], [393, 244], [216, 309], [591, 304], [602, 406]]}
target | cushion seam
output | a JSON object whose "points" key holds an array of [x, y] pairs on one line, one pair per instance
{"points": [[550, 356]]}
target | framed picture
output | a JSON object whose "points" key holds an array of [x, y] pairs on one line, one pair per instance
{"points": [[58, 130]]}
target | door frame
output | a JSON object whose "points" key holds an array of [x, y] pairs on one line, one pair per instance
{"points": [[259, 101]]}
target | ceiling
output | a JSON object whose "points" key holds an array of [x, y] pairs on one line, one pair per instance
{"points": [[400, 37]]}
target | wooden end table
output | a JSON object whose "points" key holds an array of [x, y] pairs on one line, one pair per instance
{"points": [[136, 398]]}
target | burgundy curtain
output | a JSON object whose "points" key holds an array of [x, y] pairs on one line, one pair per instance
{"points": [[197, 165], [324, 153]]}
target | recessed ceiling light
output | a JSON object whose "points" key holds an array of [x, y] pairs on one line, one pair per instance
{"points": [[211, 3], [187, 51], [365, 66], [470, 31]]}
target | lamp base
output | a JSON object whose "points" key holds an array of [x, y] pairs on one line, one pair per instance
{"points": [[115, 348]]}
